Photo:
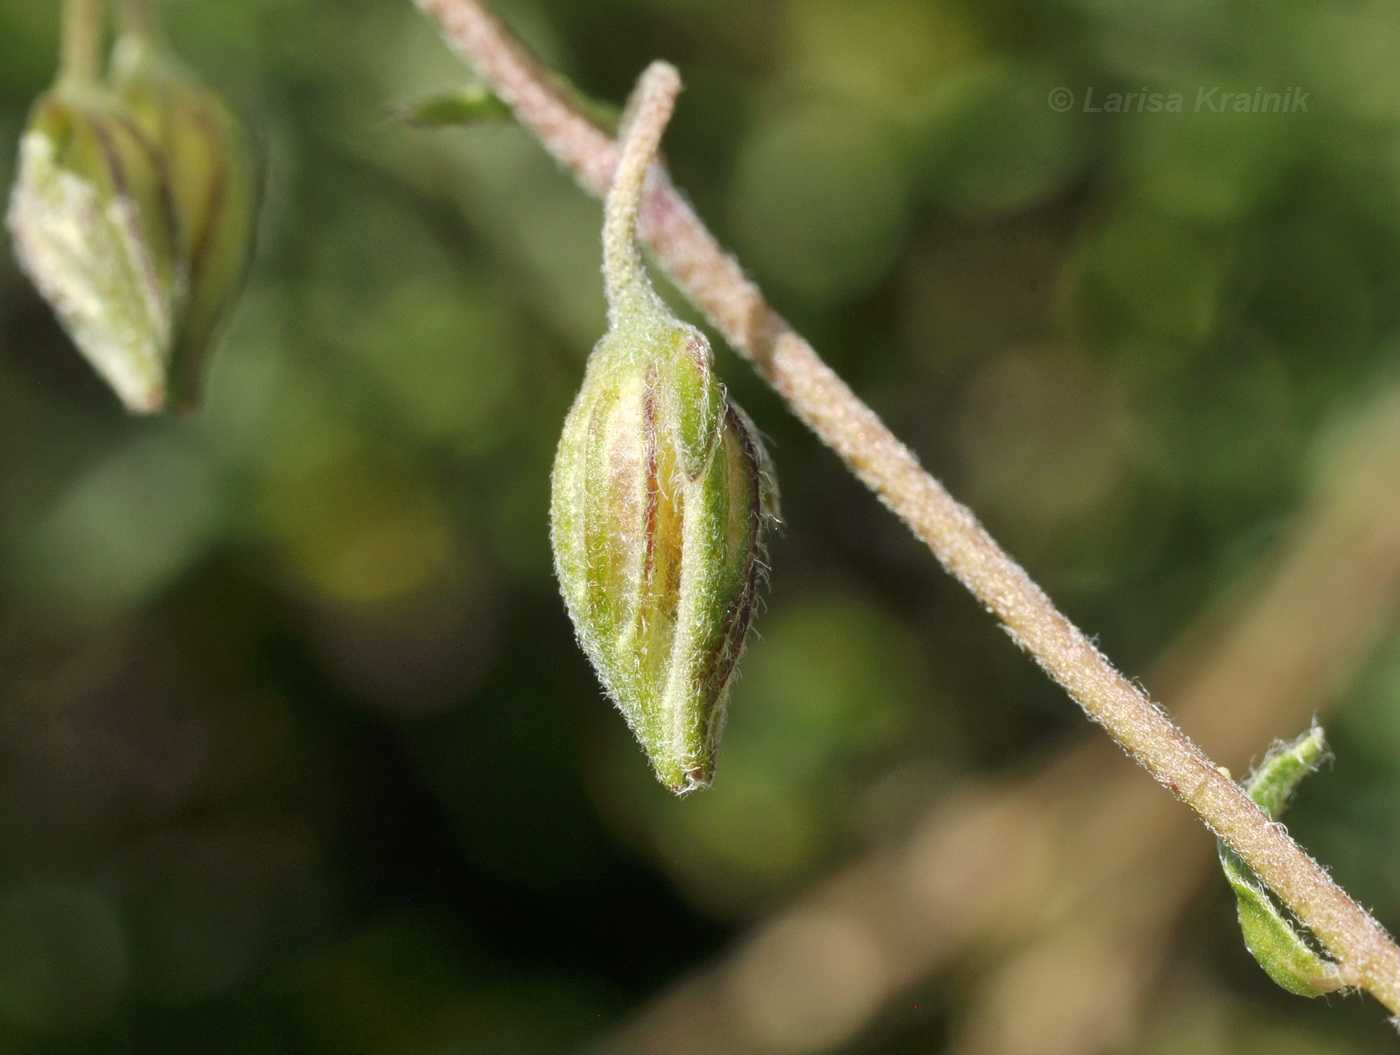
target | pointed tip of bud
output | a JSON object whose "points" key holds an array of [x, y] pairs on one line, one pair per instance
{"points": [[697, 779]]}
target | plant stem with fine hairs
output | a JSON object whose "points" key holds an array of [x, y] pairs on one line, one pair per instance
{"points": [[623, 274], [713, 281]]}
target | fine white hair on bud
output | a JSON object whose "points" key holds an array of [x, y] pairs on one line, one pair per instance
{"points": [[657, 506]]}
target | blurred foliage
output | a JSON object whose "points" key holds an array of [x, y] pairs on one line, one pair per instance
{"points": [[297, 753]]}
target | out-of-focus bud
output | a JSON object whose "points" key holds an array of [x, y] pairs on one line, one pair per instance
{"points": [[213, 188], [657, 506], [92, 223]]}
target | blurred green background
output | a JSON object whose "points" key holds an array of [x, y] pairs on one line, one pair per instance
{"points": [[297, 753]]}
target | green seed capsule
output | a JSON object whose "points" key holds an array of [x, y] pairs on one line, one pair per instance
{"points": [[92, 224], [657, 499], [213, 189]]}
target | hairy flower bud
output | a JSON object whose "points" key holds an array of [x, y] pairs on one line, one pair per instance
{"points": [[657, 500], [213, 190], [92, 225], [656, 517]]}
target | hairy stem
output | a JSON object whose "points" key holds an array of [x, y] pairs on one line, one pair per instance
{"points": [[652, 104], [80, 51], [1058, 874], [714, 282]]}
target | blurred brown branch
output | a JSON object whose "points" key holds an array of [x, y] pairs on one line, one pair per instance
{"points": [[1066, 885], [1366, 955]]}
